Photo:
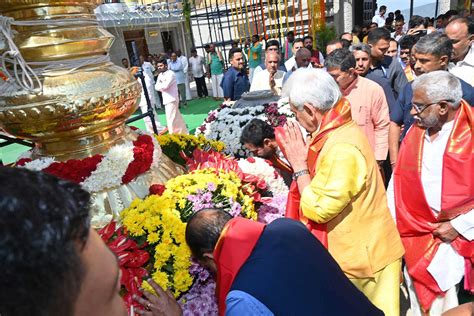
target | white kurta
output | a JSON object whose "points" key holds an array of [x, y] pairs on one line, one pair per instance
{"points": [[185, 63], [166, 83], [447, 266], [261, 81]]}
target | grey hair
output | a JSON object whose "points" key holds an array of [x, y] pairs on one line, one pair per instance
{"points": [[313, 86], [360, 47], [440, 85], [437, 44]]}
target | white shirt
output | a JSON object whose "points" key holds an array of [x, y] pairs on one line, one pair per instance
{"points": [[261, 80], [290, 63], [197, 64], [166, 84], [184, 61], [148, 69], [464, 69], [447, 266], [380, 20]]}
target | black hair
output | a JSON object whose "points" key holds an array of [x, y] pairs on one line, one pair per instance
{"points": [[272, 42], [162, 60], [307, 37], [383, 7], [204, 229], [193, 50], [256, 35], [400, 18], [233, 51], [44, 225], [298, 40], [377, 34], [340, 37], [450, 14], [340, 58], [124, 59], [346, 43], [255, 132], [416, 21], [290, 33], [407, 42]]}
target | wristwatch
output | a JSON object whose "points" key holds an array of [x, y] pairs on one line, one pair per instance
{"points": [[297, 174]]}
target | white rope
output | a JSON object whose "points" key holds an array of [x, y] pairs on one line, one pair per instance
{"points": [[28, 76], [23, 74]]}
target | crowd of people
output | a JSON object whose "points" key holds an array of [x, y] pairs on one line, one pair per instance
{"points": [[379, 164]]}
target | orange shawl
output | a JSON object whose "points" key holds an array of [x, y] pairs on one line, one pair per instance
{"points": [[338, 116], [414, 215]]}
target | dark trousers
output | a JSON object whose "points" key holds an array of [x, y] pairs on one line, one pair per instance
{"points": [[201, 86]]}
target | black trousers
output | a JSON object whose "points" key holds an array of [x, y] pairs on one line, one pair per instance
{"points": [[201, 86]]}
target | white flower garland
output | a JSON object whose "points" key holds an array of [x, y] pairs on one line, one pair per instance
{"points": [[228, 124]]}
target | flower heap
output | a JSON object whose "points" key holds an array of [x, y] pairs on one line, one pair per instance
{"points": [[225, 124], [247, 187], [178, 146], [123, 168]]}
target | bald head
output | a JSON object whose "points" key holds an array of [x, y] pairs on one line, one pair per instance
{"points": [[271, 62], [460, 32], [303, 58], [204, 229]]}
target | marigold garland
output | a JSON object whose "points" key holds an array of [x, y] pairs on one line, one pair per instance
{"points": [[157, 220], [174, 145]]}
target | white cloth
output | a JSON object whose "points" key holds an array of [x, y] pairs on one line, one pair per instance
{"points": [[197, 66], [464, 69], [148, 70], [261, 80], [167, 85], [144, 108], [217, 91], [290, 63], [174, 119], [440, 304], [447, 266], [184, 60], [380, 20]]}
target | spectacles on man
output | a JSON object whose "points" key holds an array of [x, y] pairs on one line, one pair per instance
{"points": [[420, 108]]}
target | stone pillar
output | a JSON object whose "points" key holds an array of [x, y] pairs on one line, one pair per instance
{"points": [[343, 15], [446, 5], [348, 16]]}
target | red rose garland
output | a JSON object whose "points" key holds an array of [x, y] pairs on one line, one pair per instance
{"points": [[74, 170], [142, 158]]}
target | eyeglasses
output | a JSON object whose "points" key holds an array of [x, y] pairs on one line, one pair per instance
{"points": [[420, 108]]}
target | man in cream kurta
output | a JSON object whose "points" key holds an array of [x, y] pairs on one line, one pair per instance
{"points": [[166, 84], [437, 108], [342, 196], [271, 78]]}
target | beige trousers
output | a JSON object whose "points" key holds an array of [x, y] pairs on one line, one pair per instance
{"points": [[174, 119]]}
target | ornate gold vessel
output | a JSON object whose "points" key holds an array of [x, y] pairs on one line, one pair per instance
{"points": [[77, 108], [79, 112]]}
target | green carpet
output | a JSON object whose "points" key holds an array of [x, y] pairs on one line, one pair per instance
{"points": [[193, 115]]}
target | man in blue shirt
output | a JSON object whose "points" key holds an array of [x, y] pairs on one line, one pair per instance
{"points": [[274, 269], [383, 66], [235, 81], [432, 52], [175, 65]]}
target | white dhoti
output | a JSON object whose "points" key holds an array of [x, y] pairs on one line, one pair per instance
{"points": [[188, 89], [217, 91], [174, 119], [440, 304]]}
